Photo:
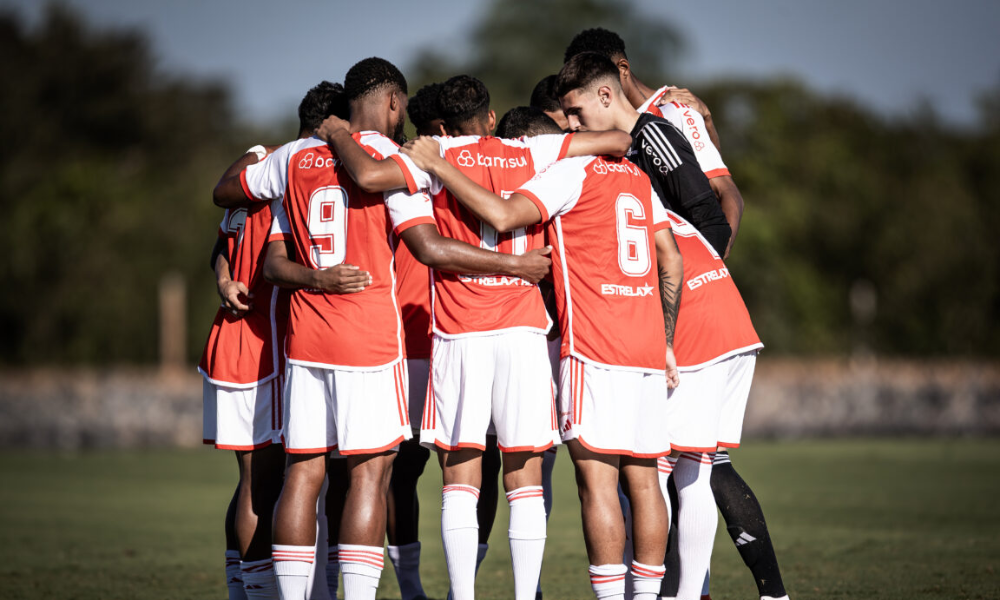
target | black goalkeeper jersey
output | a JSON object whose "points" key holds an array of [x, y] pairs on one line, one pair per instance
{"points": [[663, 153]]}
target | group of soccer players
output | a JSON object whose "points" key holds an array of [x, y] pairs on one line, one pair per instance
{"points": [[372, 293]]}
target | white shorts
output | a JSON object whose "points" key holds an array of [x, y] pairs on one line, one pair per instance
{"points": [[613, 411], [419, 370], [706, 409], [353, 412], [503, 377], [241, 418]]}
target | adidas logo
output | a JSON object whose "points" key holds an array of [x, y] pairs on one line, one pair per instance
{"points": [[744, 539]]}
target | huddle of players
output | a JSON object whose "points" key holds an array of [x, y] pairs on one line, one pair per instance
{"points": [[340, 201]]}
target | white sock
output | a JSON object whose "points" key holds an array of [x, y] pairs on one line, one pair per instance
{"points": [[258, 579], [664, 468], [406, 562], [460, 534], [480, 557], [527, 538], [362, 568], [608, 581], [646, 580], [696, 523], [234, 577], [332, 570], [292, 567]]}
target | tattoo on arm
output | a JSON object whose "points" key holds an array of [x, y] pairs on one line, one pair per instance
{"points": [[670, 298]]}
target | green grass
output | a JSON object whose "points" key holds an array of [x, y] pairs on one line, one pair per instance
{"points": [[887, 519]]}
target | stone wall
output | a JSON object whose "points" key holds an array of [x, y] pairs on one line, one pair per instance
{"points": [[73, 409]]}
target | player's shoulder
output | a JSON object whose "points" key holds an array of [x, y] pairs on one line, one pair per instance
{"points": [[377, 144], [654, 125], [448, 142]]}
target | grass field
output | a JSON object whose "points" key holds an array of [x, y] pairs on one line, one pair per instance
{"points": [[909, 519]]}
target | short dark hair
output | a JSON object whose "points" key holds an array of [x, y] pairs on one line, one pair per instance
{"points": [[583, 70], [526, 120], [599, 40], [544, 95], [463, 99], [371, 75], [423, 106], [320, 102]]}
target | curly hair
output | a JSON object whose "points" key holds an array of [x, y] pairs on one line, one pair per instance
{"points": [[423, 106], [371, 75], [544, 94], [526, 120], [323, 100], [463, 99], [599, 40]]}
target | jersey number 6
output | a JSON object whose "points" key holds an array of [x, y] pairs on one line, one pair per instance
{"points": [[633, 240]]}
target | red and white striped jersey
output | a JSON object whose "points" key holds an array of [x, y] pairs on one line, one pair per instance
{"points": [[331, 221], [246, 351], [603, 216], [712, 322], [483, 304], [692, 125]]}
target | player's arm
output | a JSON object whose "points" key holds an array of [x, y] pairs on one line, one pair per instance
{"points": [[731, 202], [431, 248], [685, 96], [282, 271], [502, 215], [234, 294], [229, 192], [370, 174], [670, 266], [687, 183], [596, 143]]}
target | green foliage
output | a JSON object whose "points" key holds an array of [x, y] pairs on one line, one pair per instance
{"points": [[105, 176]]}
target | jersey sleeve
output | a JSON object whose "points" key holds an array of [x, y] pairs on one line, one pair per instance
{"points": [[281, 229], [556, 190], [267, 180], [660, 218], [407, 210], [416, 178], [547, 149], [692, 125]]}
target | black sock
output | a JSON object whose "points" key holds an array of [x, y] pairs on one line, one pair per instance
{"points": [[745, 523], [672, 560]]}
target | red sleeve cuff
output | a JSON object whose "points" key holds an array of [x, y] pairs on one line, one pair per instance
{"points": [[279, 237], [534, 200], [565, 147], [723, 172], [661, 226], [413, 222], [246, 187], [411, 184]]}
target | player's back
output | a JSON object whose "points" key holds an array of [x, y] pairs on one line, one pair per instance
{"points": [[332, 221], [247, 350], [470, 305], [712, 320], [604, 263]]}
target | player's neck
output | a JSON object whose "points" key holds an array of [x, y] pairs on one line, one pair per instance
{"points": [[625, 116], [638, 92], [368, 118]]}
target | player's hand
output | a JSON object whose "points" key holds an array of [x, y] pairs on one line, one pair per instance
{"points": [[235, 297], [673, 377], [684, 96], [341, 279], [424, 151], [534, 265], [330, 126]]}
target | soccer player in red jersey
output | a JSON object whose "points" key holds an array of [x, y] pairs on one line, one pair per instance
{"points": [[243, 364], [682, 108], [489, 346], [346, 387], [615, 368]]}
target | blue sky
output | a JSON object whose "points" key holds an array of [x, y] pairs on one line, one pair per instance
{"points": [[887, 54]]}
